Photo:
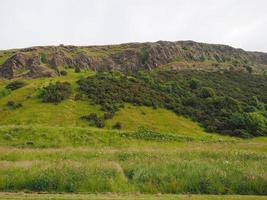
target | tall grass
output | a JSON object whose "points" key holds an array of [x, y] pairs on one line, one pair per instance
{"points": [[145, 171]]}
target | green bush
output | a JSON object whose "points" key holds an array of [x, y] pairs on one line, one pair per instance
{"points": [[99, 122], [90, 117], [108, 115], [206, 92], [255, 123], [194, 84], [221, 95], [15, 85], [78, 97], [43, 58], [63, 73], [57, 92], [77, 70], [13, 105], [117, 125]]}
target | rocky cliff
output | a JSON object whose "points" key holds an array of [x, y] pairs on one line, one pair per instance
{"points": [[49, 60]]}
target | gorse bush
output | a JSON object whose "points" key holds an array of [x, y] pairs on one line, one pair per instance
{"points": [[194, 83], [13, 105], [77, 70], [55, 93], [117, 125], [207, 92], [221, 98], [15, 85], [95, 120], [63, 73]]}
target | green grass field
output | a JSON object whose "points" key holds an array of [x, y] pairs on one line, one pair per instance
{"points": [[23, 196], [48, 148]]}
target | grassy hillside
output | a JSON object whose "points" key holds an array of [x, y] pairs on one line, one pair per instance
{"points": [[228, 103], [47, 147], [36, 112], [68, 112]]}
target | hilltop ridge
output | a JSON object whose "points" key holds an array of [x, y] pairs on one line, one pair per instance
{"points": [[47, 61]]}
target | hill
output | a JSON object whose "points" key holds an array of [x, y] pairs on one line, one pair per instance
{"points": [[153, 118], [48, 61]]}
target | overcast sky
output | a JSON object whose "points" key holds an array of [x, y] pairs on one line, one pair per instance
{"points": [[239, 23]]}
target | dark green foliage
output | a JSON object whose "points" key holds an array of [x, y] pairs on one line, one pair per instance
{"points": [[63, 73], [206, 92], [248, 68], [229, 103], [15, 85], [99, 122], [77, 70], [118, 125], [194, 84], [108, 115], [144, 55], [43, 58], [55, 93], [13, 105], [78, 96], [90, 117]]}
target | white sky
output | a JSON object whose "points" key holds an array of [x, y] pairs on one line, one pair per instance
{"points": [[239, 23]]}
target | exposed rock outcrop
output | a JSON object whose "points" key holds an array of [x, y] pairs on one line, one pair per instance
{"points": [[46, 61]]}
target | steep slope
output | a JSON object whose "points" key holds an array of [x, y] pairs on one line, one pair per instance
{"points": [[68, 113], [48, 61]]}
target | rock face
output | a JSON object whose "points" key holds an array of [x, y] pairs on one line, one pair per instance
{"points": [[20, 65], [47, 61]]}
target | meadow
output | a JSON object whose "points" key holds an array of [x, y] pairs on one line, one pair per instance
{"points": [[155, 155]]}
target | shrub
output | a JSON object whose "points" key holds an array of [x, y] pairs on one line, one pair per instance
{"points": [[248, 68], [77, 70], [256, 124], [194, 84], [90, 117], [78, 97], [43, 58], [108, 115], [63, 73], [144, 55], [207, 92], [57, 92], [15, 85], [13, 105], [100, 123], [118, 125], [257, 104], [213, 105]]}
